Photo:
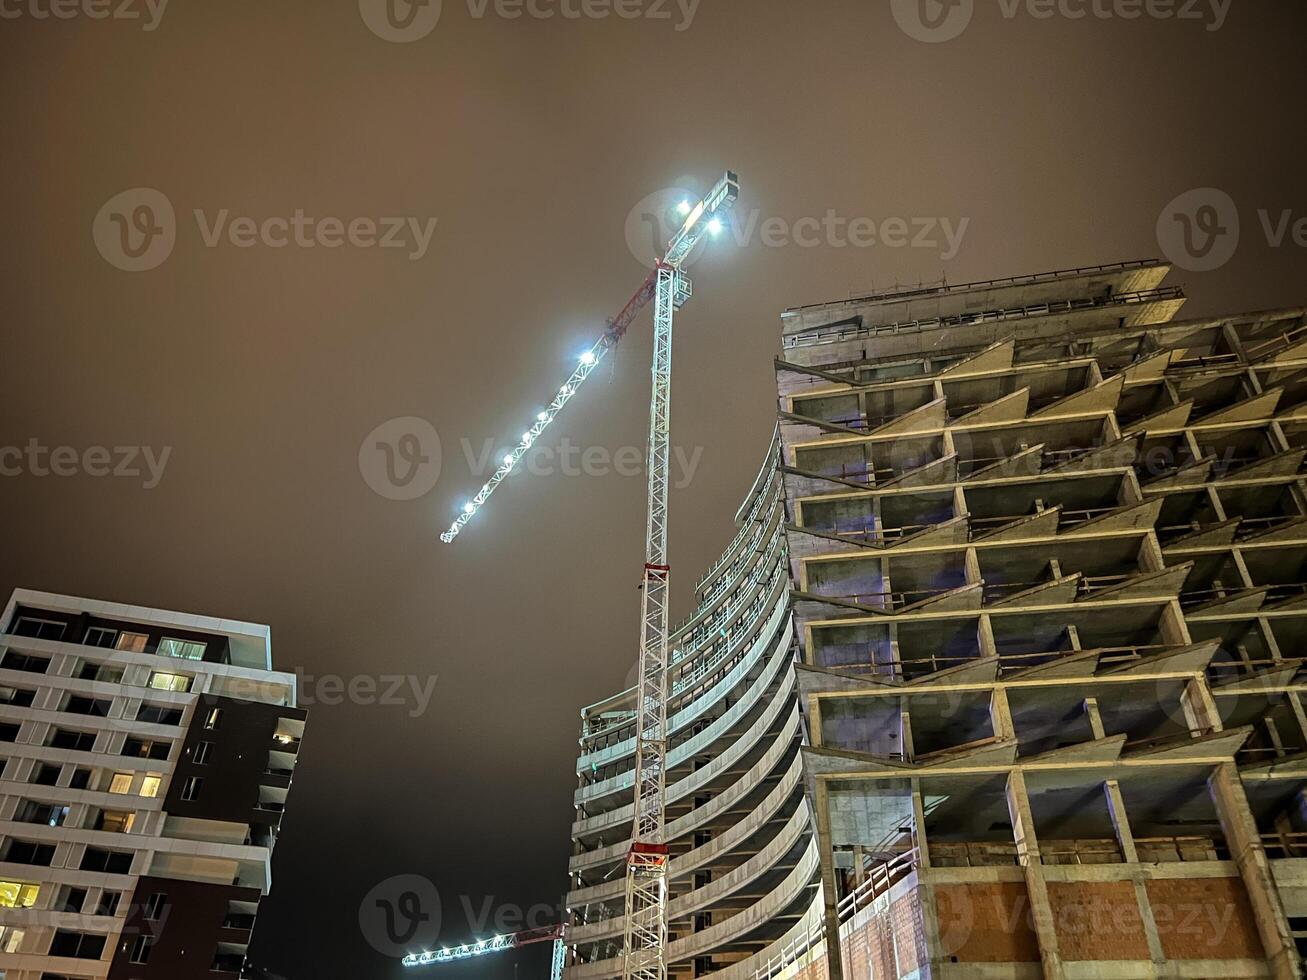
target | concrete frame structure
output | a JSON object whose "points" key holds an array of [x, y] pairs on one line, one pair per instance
{"points": [[1031, 556], [147, 756], [1047, 545]]}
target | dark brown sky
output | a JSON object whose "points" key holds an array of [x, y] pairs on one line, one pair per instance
{"points": [[1060, 141]]}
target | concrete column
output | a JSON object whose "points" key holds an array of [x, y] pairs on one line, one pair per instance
{"points": [[829, 891], [925, 884], [1120, 820], [905, 731], [1000, 714], [1241, 837], [1200, 707], [1095, 722], [1023, 832], [1126, 838]]}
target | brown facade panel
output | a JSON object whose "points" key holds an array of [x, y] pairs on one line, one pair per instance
{"points": [[1204, 919], [1098, 920], [986, 923]]}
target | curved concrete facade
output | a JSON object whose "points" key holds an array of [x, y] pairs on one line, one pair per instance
{"points": [[744, 866]]}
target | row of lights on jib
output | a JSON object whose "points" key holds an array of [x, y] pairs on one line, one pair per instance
{"points": [[588, 359]]}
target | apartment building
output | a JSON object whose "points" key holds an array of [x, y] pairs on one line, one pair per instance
{"points": [[147, 757]]}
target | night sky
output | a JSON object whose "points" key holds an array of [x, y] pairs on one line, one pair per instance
{"points": [[262, 365]]}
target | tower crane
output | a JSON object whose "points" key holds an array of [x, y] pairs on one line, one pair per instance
{"points": [[645, 937]]}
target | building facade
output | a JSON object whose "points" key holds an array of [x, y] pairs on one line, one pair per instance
{"points": [[147, 759], [999, 677], [1047, 545], [744, 864]]}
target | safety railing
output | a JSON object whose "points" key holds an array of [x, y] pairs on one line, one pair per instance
{"points": [[880, 879], [818, 336]]}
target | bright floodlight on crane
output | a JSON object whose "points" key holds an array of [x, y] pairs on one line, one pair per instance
{"points": [[699, 218]]}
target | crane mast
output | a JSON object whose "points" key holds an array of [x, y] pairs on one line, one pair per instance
{"points": [[645, 936]]}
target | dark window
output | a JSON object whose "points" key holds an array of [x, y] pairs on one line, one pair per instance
{"points": [[109, 903], [27, 852], [155, 906], [44, 629], [20, 696], [191, 788], [77, 944], [114, 862], [96, 707], [9, 731], [64, 738], [91, 671], [25, 662], [158, 715], [141, 949], [81, 779], [101, 636], [46, 775], [71, 899], [202, 753]]}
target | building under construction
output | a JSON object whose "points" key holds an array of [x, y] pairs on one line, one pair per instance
{"points": [[998, 677]]}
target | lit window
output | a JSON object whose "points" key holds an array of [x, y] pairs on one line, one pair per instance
{"points": [[117, 822], [10, 939], [18, 895], [132, 642], [121, 783], [182, 649], [213, 719], [150, 786], [170, 682]]}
